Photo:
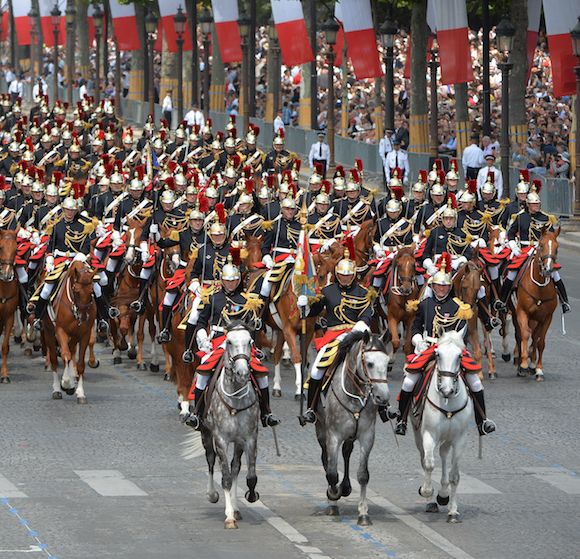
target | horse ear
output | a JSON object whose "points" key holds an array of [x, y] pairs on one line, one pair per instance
{"points": [[366, 337], [557, 231], [386, 336], [463, 331]]}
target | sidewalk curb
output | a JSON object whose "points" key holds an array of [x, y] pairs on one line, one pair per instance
{"points": [[568, 243]]}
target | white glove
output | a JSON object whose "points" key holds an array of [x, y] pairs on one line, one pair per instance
{"points": [[203, 341], [100, 231], [35, 239], [154, 228], [457, 261], [515, 248], [206, 347], [361, 326], [326, 245], [302, 301], [194, 287], [116, 237], [428, 264], [267, 260], [49, 264], [379, 252], [431, 270], [481, 243], [419, 343], [84, 213], [24, 233], [144, 251], [80, 257], [175, 258]]}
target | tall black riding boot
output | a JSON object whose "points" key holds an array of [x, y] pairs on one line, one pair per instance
{"points": [[102, 314], [485, 313], [188, 353], [484, 425], [166, 316], [268, 419], [195, 419], [561, 288], [506, 290], [405, 399], [312, 399], [39, 311], [139, 304]]}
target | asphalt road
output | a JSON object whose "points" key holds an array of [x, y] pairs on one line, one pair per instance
{"points": [[109, 479]]}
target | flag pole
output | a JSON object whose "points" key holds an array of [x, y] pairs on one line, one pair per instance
{"points": [[300, 269]]}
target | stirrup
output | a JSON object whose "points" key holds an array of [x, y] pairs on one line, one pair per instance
{"points": [[187, 356], [486, 427], [102, 326], [566, 307], [401, 428], [114, 312], [500, 306], [384, 413], [308, 417], [495, 322], [30, 307], [194, 421], [37, 324], [164, 336], [270, 420], [260, 355], [137, 306]]}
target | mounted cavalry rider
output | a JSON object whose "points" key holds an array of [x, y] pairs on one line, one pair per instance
{"points": [[442, 312], [429, 215], [354, 209], [244, 221], [324, 225], [70, 240], [519, 203], [414, 205], [226, 304], [394, 229], [349, 307], [490, 205], [524, 234]]}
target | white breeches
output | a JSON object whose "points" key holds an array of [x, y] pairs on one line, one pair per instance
{"points": [[146, 273], [201, 381], [556, 275], [411, 379], [169, 298], [22, 274], [48, 288], [111, 264], [266, 285], [493, 272], [99, 254], [315, 372], [194, 314], [262, 381], [97, 289]]}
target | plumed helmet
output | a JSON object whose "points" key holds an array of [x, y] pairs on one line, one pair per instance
{"points": [[449, 211], [322, 198], [211, 192], [288, 202], [438, 190], [345, 265], [230, 172], [168, 197], [394, 206], [70, 203], [443, 274], [264, 193], [217, 228], [52, 190], [533, 196], [315, 178], [230, 272]]}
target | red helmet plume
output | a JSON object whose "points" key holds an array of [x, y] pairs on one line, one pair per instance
{"points": [[397, 191], [451, 196], [358, 163], [221, 212], [472, 186], [326, 186], [235, 254], [78, 190], [444, 258], [349, 245]]}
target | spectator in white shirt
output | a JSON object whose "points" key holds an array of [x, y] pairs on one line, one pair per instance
{"points": [[386, 146], [167, 107], [9, 76], [319, 153], [82, 88], [472, 158], [195, 116], [16, 89], [397, 158], [39, 90], [497, 178], [488, 146], [278, 123]]}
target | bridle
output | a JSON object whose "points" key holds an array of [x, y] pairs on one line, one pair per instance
{"points": [[399, 280], [545, 270], [79, 310]]}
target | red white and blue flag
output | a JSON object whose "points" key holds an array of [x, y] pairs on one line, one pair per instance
{"points": [[292, 34], [225, 15]]}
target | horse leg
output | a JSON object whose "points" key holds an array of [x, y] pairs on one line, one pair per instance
{"points": [[489, 353], [428, 462], [524, 341], [251, 450], [212, 495], [67, 383], [290, 336], [457, 451], [366, 441], [221, 449], [140, 340], [408, 347], [393, 325], [235, 469], [332, 446], [168, 364], [153, 355], [93, 361], [505, 346], [541, 344], [81, 397], [443, 494], [277, 358], [345, 486], [6, 346]]}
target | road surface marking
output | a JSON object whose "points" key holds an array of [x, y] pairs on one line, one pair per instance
{"points": [[110, 483], [9, 490], [468, 485], [561, 480], [31, 549]]}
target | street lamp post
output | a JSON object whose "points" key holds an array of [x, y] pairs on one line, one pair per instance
{"points": [[179, 21], [244, 24], [434, 112], [387, 31], [505, 33], [274, 50], [55, 20], [33, 17], [330, 28], [70, 15], [576, 49], [151, 28], [205, 21], [98, 19], [118, 84]]}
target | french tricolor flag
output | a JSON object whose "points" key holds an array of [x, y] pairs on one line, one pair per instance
{"points": [[561, 17], [292, 33], [20, 11], [453, 39], [361, 41], [225, 15], [125, 26]]}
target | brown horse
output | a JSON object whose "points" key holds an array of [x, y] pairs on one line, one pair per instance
{"points": [[402, 288], [363, 241], [8, 295], [75, 313], [537, 300]]}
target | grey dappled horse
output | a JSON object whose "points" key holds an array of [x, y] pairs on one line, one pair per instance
{"points": [[232, 418], [446, 418], [358, 387]]}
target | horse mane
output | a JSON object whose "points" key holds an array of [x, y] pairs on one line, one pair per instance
{"points": [[238, 324], [452, 337], [374, 343]]}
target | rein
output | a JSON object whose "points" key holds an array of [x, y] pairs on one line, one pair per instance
{"points": [[242, 392], [447, 413]]}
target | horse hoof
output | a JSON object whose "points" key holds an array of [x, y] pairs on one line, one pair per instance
{"points": [[17, 339], [345, 489], [82, 400], [237, 515], [213, 497], [94, 364], [333, 494], [516, 361], [154, 368], [432, 507], [57, 395], [540, 377], [117, 360], [443, 501], [506, 357], [28, 352], [141, 367], [69, 391], [531, 371], [332, 510], [36, 348], [364, 520], [167, 377], [276, 393], [298, 396], [132, 354], [5, 380], [425, 494], [492, 376], [453, 519], [252, 496], [522, 372], [230, 525]]}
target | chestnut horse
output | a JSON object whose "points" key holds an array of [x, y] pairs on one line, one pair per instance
{"points": [[8, 295], [537, 300], [75, 313]]}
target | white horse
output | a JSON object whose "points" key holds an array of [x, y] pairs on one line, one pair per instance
{"points": [[446, 419]]}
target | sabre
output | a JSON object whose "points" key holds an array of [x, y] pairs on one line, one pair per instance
{"points": [[276, 441]]}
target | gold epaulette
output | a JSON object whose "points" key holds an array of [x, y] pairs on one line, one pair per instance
{"points": [[552, 219], [90, 225], [504, 202], [464, 312], [371, 294], [267, 225], [412, 305], [59, 163], [426, 233], [174, 236], [193, 253], [253, 303]]}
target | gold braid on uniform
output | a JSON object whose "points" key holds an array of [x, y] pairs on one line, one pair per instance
{"points": [[443, 323], [358, 304], [455, 244], [471, 228]]}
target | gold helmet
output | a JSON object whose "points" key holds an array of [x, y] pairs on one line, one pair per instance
{"points": [[315, 178], [137, 181], [437, 189], [533, 196], [230, 172], [217, 228], [421, 183], [288, 202], [443, 274], [395, 179], [168, 197], [523, 186], [245, 198], [180, 132], [70, 203], [279, 138], [452, 174], [434, 172], [252, 135], [450, 210], [180, 180], [75, 146], [264, 193], [230, 272], [346, 266], [469, 195], [322, 198], [52, 190], [211, 192], [394, 205], [37, 186]]}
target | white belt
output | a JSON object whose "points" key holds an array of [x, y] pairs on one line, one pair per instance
{"points": [[66, 254], [286, 250]]}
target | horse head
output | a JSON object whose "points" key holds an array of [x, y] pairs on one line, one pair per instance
{"points": [[547, 251], [497, 239], [325, 260], [133, 237], [253, 252], [8, 247], [81, 285], [363, 241], [375, 364], [469, 282], [449, 350], [405, 271], [238, 352]]}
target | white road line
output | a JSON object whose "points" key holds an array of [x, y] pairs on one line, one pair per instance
{"points": [[31, 549], [556, 477], [110, 483], [9, 491], [469, 485]]}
